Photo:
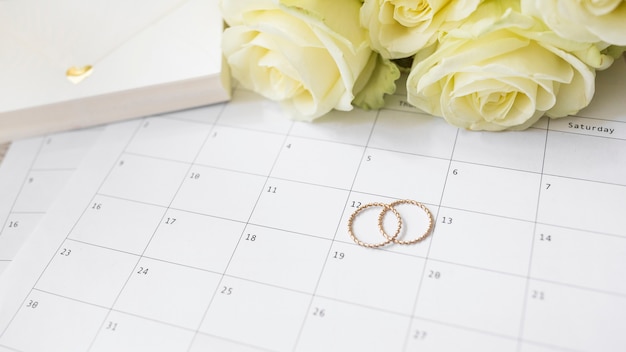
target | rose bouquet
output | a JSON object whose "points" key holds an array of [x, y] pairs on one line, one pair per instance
{"points": [[479, 64]]}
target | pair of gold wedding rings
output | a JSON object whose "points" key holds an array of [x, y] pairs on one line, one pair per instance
{"points": [[385, 209]]}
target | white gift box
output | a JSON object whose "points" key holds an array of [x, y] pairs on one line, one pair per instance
{"points": [[147, 57]]}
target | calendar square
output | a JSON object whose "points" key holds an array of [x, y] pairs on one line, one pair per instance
{"points": [[297, 266], [226, 194], [574, 318], [195, 240], [40, 190], [90, 274], [435, 337], [336, 326], [413, 133], [64, 151], [565, 152], [257, 315], [118, 224], [31, 329], [518, 150], [318, 162], [169, 293], [16, 230], [450, 294], [241, 150], [133, 178], [352, 127], [168, 138], [368, 276], [483, 241], [251, 111], [401, 176], [511, 193], [583, 205], [314, 210], [580, 258], [124, 332]]}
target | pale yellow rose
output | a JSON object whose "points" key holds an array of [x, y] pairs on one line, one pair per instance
{"points": [[311, 55], [503, 70], [582, 20], [399, 28]]}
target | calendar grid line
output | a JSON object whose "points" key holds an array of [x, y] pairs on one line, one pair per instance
{"points": [[269, 350], [372, 194], [579, 287], [317, 139], [321, 272], [147, 156], [28, 212], [250, 129], [156, 227], [410, 316], [513, 338], [378, 309], [417, 111], [557, 225], [17, 194], [49, 261], [551, 346], [589, 135], [291, 135], [586, 180], [236, 342], [432, 237], [135, 201], [395, 151], [147, 318], [95, 337], [587, 231], [42, 169], [170, 117], [591, 232], [58, 295], [596, 118], [412, 110], [532, 244], [289, 271], [350, 243], [206, 310], [392, 151]]}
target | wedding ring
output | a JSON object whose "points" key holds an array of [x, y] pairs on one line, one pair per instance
{"points": [[394, 238], [386, 208]]}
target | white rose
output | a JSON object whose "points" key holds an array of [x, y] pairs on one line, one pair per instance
{"points": [[582, 20], [311, 55], [399, 28], [502, 70]]}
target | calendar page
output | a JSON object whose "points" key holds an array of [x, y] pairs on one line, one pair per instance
{"points": [[226, 229], [31, 177]]}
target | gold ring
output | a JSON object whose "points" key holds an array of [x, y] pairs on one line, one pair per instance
{"points": [[392, 207], [386, 208]]}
